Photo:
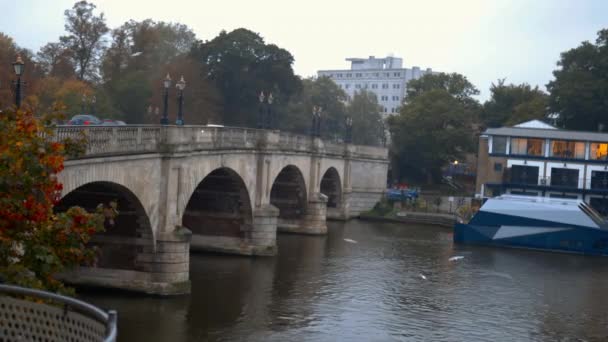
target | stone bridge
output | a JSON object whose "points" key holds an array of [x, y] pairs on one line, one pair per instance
{"points": [[206, 188]]}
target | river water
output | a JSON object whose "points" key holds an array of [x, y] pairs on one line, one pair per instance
{"points": [[395, 284]]}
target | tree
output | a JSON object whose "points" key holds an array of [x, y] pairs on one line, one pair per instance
{"points": [[85, 40], [368, 127], [241, 65], [141, 55], [579, 92], [454, 84], [52, 91], [435, 126], [35, 243], [512, 104], [296, 116], [54, 60], [8, 54]]}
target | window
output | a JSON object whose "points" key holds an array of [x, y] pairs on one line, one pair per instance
{"points": [[499, 145], [395, 98], [384, 98], [384, 85], [339, 75], [346, 86], [564, 177], [357, 86], [365, 86], [387, 74], [374, 86], [523, 174], [498, 167], [396, 86], [600, 205], [397, 74], [599, 180], [598, 151], [567, 149], [358, 74], [527, 146], [377, 74], [349, 75]]}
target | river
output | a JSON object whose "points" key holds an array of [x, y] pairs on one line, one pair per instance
{"points": [[395, 284]]}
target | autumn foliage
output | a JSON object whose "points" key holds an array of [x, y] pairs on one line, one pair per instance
{"points": [[36, 243]]}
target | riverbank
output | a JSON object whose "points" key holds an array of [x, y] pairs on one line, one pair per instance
{"points": [[438, 219]]}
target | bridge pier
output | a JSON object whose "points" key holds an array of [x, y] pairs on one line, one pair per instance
{"points": [[312, 222]]}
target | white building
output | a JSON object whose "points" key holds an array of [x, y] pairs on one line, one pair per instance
{"points": [[385, 77]]}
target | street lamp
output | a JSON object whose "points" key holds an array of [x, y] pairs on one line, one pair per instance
{"points": [[349, 130], [316, 120], [181, 85], [93, 102], [83, 105], [269, 119], [261, 110], [166, 83], [19, 67]]}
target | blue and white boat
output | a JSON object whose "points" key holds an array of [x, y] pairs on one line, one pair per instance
{"points": [[559, 225]]}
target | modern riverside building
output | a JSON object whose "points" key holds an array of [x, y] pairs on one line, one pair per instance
{"points": [[537, 159], [385, 77]]}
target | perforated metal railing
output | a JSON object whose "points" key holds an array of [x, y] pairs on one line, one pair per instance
{"points": [[68, 320]]}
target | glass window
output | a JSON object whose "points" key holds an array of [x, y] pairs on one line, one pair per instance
{"points": [[374, 86], [499, 145], [349, 75], [518, 145], [497, 167], [564, 177], [523, 174], [358, 86], [567, 149], [347, 86], [599, 180], [598, 151], [535, 147]]}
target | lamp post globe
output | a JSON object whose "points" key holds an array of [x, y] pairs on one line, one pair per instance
{"points": [[19, 67], [166, 83], [180, 85]]}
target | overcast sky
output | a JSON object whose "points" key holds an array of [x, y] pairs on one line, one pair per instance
{"points": [[485, 40]]}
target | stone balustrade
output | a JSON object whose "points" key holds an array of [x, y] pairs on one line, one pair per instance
{"points": [[137, 139]]}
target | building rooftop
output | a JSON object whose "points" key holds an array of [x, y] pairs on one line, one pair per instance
{"points": [[539, 129]]}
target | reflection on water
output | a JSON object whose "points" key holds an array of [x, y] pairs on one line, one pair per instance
{"points": [[326, 289]]}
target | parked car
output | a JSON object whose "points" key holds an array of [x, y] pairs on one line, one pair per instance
{"points": [[84, 119], [112, 122]]}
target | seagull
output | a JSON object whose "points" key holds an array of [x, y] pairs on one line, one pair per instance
{"points": [[456, 258], [422, 276], [135, 54], [350, 241]]}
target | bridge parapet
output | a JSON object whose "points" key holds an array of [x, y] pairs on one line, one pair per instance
{"points": [[138, 139]]}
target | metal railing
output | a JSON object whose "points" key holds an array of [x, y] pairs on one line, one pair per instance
{"points": [[587, 183], [70, 320]]}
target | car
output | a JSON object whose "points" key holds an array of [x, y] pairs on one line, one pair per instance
{"points": [[84, 120], [112, 122]]}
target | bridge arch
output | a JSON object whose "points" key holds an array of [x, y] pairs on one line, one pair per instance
{"points": [[219, 208], [288, 193], [123, 240], [331, 186]]}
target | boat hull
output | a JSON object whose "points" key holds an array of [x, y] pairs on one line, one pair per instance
{"points": [[566, 239]]}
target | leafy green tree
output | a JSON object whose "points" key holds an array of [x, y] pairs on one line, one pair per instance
{"points": [[512, 104], [321, 92], [85, 38], [579, 92], [241, 65], [368, 127], [435, 126]]}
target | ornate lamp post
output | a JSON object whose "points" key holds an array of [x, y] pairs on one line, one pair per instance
{"points": [[269, 119], [93, 102], [166, 83], [318, 126], [349, 130], [19, 67], [181, 85], [261, 111], [83, 104]]}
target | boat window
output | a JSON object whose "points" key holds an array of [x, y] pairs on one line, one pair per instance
{"points": [[593, 215]]}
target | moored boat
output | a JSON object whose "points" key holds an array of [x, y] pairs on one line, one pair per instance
{"points": [[560, 225]]}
